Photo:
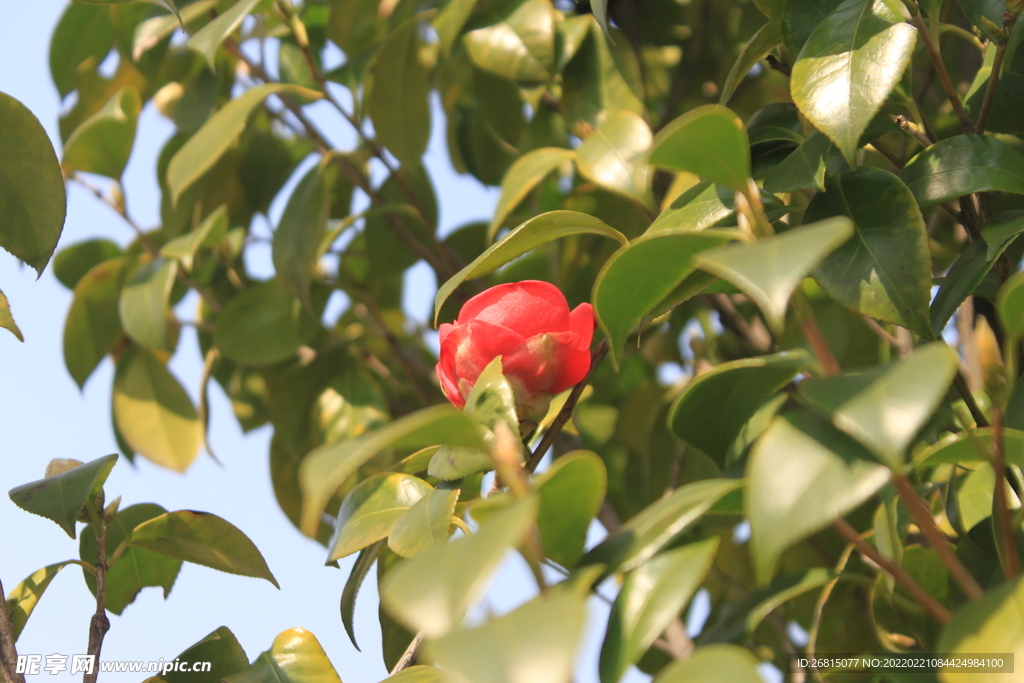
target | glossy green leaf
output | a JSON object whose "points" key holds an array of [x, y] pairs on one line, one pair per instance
{"points": [[993, 624], [961, 280], [420, 674], [93, 325], [371, 509], [325, 468], [522, 176], [32, 199], [640, 275], [208, 39], [425, 524], [1011, 306], [432, 592], [153, 412], [71, 263], [23, 598], [361, 567], [987, 15], [83, 32], [218, 134], [960, 165], [801, 17], [804, 167], [295, 656], [767, 38], [144, 305], [885, 271], [103, 142], [600, 10], [651, 529], [613, 156], [709, 141], [571, 493], [534, 643], [704, 205], [1000, 232], [398, 102], [972, 446], [519, 43], [770, 269], [62, 497], [211, 231], [714, 407], [910, 388], [652, 596], [801, 475], [356, 26], [449, 22], [594, 79], [221, 649], [202, 538], [135, 568], [848, 67], [717, 663], [151, 31], [7, 320], [262, 325], [530, 235], [301, 230]]}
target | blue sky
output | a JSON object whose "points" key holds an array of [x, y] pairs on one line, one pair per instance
{"points": [[43, 416]]}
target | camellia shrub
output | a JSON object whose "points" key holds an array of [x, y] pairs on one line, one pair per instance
{"points": [[752, 282]]}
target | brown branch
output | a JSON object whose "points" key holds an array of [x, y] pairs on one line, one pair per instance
{"points": [[943, 74], [780, 66], [8, 650], [923, 517], [812, 332], [409, 656], [99, 624], [923, 597], [757, 337], [1009, 19], [566, 412], [913, 130], [968, 397]]}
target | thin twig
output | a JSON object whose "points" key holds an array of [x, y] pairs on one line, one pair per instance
{"points": [[1011, 563], [819, 609], [780, 66], [923, 597], [407, 658], [731, 319], [8, 650], [943, 74], [566, 412], [913, 130], [1009, 19], [812, 332], [99, 624], [923, 517], [968, 397]]}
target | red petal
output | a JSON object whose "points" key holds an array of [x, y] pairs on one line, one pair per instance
{"points": [[443, 331], [529, 308], [467, 349], [581, 321], [549, 362], [450, 387]]}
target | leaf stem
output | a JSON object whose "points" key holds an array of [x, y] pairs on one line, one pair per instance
{"points": [[943, 74], [968, 397], [99, 624], [923, 517], [1009, 19], [923, 597], [812, 332], [8, 650]]}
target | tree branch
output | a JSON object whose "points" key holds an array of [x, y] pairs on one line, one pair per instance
{"points": [[968, 397], [99, 624], [943, 74], [8, 650], [1009, 19], [409, 656], [1011, 563]]}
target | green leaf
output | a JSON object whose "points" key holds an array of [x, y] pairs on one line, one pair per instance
{"points": [[32, 200], [220, 648], [534, 643], [363, 564], [432, 592], [770, 269], [999, 232], [910, 388], [521, 177], [103, 142], [767, 38], [425, 524], [326, 467], [848, 67], [153, 412], [398, 103], [973, 446], [449, 22], [208, 39], [593, 79], [801, 17], [202, 538], [144, 305], [151, 31], [218, 134], [62, 497], [709, 141], [371, 509], [301, 230], [7, 320], [356, 26], [530, 235], [641, 274], [600, 11], [71, 263], [801, 475], [804, 167], [295, 656], [652, 596], [93, 325], [987, 15], [571, 493], [613, 155], [657, 524], [704, 205], [262, 325], [885, 271], [993, 624], [963, 164], [136, 568], [770, 8], [24, 597], [420, 674], [212, 230], [518, 43], [717, 663], [961, 280], [83, 32], [713, 408], [1011, 306], [166, 4]]}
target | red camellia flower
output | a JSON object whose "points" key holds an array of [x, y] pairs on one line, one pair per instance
{"points": [[545, 348]]}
